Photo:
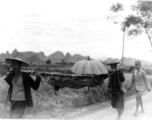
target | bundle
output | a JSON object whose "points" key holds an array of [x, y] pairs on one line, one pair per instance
{"points": [[59, 80]]}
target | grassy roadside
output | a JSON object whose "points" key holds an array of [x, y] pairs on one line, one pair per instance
{"points": [[64, 103]]}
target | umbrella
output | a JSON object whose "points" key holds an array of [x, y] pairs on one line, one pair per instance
{"points": [[89, 67]]}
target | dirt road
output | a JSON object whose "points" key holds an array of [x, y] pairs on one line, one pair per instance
{"points": [[108, 113]]}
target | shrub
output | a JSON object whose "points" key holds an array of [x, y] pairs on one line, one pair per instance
{"points": [[3, 70], [47, 100], [40, 69], [131, 68], [88, 97], [148, 71], [79, 101]]}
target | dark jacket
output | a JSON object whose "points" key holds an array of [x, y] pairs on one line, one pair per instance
{"points": [[115, 80], [28, 83]]}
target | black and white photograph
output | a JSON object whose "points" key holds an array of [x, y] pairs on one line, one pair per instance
{"points": [[76, 59]]}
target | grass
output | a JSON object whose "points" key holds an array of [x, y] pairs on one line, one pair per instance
{"points": [[51, 104]]}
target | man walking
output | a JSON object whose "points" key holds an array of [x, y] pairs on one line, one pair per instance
{"points": [[20, 84], [116, 79], [140, 83]]}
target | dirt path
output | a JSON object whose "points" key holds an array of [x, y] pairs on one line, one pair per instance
{"points": [[108, 113]]}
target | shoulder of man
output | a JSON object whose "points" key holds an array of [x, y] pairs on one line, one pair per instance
{"points": [[134, 71], [25, 74], [11, 74], [143, 71], [9, 77]]}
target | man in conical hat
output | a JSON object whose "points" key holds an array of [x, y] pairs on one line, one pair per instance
{"points": [[140, 83], [20, 84], [116, 79]]}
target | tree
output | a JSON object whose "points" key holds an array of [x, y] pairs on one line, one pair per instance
{"points": [[142, 21], [48, 61], [138, 23]]}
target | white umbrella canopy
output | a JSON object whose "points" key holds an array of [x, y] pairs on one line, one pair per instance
{"points": [[89, 67]]}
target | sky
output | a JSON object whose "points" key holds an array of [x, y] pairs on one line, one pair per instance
{"points": [[74, 26]]}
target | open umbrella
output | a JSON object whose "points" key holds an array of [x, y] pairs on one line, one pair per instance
{"points": [[89, 66]]}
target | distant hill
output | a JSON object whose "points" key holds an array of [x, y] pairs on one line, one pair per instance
{"points": [[58, 56], [131, 61], [29, 53], [68, 58], [33, 57], [42, 56], [78, 57], [14, 53], [128, 61]]}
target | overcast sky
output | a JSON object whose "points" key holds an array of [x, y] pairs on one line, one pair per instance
{"points": [[75, 26]]}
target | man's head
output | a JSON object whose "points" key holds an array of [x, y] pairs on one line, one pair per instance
{"points": [[113, 64], [138, 64], [16, 65]]}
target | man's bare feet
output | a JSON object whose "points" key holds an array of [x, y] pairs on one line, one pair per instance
{"points": [[136, 113], [142, 111], [119, 118]]}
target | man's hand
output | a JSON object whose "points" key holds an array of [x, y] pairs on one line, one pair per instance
{"points": [[106, 89], [149, 90], [37, 74], [129, 88]]}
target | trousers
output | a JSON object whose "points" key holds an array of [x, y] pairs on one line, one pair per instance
{"points": [[17, 109]]}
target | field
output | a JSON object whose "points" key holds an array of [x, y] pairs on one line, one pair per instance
{"points": [[51, 104], [49, 67]]}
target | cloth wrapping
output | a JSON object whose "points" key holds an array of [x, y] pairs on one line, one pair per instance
{"points": [[76, 82], [61, 80]]}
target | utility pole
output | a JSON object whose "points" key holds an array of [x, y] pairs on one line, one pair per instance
{"points": [[123, 46]]}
